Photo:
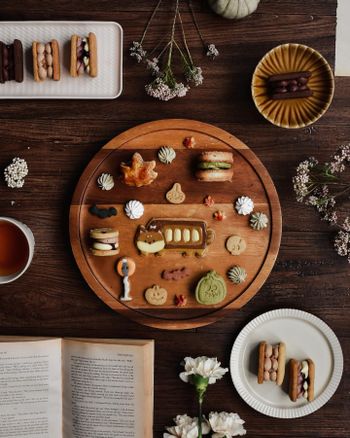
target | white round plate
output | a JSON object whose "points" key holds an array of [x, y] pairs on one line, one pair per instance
{"points": [[305, 336]]}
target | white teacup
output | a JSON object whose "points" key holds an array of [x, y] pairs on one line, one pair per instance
{"points": [[24, 232]]}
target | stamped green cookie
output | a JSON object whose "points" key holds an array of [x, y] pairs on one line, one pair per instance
{"points": [[211, 289]]}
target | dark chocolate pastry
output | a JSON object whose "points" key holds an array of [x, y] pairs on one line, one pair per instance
{"points": [[290, 85], [11, 61]]}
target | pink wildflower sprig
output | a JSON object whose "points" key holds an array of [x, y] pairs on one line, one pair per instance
{"points": [[321, 186]]}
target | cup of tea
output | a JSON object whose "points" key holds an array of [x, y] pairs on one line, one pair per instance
{"points": [[16, 249]]}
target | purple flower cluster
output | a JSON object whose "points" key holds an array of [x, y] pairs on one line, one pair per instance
{"points": [[321, 186]]}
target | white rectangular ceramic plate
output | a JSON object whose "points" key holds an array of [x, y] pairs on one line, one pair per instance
{"points": [[108, 83], [305, 336]]}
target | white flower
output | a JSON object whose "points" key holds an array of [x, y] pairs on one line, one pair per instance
{"points": [[226, 425], [212, 51], [194, 75], [15, 173], [152, 64], [203, 366], [137, 51], [185, 427], [159, 89]]}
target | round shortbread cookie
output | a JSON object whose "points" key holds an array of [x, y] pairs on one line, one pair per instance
{"points": [[103, 233], [236, 245]]}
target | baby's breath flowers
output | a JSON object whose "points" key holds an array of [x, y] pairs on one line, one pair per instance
{"points": [[322, 186], [165, 85], [15, 173]]}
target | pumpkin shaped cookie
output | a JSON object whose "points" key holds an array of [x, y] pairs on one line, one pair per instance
{"points": [[211, 289], [156, 295]]}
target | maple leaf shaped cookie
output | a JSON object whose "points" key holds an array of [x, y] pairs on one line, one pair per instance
{"points": [[139, 173]]}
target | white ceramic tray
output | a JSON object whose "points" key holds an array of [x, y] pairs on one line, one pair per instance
{"points": [[108, 83], [305, 336]]}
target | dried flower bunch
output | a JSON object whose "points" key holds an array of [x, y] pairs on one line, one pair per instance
{"points": [[201, 372], [323, 186], [15, 173], [165, 85]]}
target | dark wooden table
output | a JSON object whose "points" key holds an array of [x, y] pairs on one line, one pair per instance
{"points": [[58, 138]]}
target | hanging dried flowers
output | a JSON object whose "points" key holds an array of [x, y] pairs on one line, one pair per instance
{"points": [[322, 186], [165, 85]]}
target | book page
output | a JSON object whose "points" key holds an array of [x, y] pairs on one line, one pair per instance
{"points": [[107, 390], [30, 389]]}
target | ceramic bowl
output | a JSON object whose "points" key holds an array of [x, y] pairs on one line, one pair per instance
{"points": [[293, 113]]}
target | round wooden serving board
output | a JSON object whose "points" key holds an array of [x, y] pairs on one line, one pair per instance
{"points": [[250, 179]]}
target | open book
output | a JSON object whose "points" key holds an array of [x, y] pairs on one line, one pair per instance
{"points": [[76, 388]]}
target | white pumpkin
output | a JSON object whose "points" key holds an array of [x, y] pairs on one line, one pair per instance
{"points": [[234, 9]]}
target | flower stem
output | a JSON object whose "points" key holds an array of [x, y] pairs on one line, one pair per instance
{"points": [[200, 401], [195, 22], [150, 19], [173, 34], [185, 41]]}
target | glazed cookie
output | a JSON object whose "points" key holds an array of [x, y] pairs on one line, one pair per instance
{"points": [[187, 236], [138, 172], [156, 295], [211, 289], [236, 245]]}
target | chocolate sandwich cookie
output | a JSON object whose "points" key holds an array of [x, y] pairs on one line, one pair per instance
{"points": [[83, 57], [46, 61], [105, 241], [292, 85], [11, 62]]}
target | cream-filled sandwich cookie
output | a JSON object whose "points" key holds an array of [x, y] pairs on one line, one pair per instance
{"points": [[83, 58], [46, 61], [272, 362], [105, 241]]}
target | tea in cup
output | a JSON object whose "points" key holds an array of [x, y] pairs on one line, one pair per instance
{"points": [[16, 249]]}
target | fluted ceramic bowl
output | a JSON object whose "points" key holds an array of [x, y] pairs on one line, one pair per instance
{"points": [[293, 113]]}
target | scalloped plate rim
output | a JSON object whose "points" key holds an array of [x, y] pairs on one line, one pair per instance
{"points": [[312, 120]]}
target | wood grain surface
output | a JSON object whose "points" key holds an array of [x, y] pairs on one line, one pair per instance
{"points": [[59, 138]]}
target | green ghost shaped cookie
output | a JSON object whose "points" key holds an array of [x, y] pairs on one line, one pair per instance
{"points": [[211, 289]]}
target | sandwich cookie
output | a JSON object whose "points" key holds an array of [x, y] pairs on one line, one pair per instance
{"points": [[215, 166], [83, 57], [302, 380], [105, 241], [11, 62], [272, 362], [46, 61]]}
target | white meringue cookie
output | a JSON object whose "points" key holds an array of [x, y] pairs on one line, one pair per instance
{"points": [[166, 154], [105, 181], [134, 209], [244, 205]]}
